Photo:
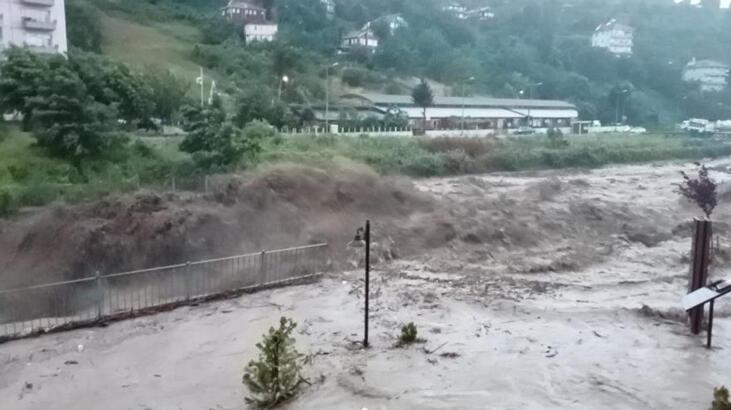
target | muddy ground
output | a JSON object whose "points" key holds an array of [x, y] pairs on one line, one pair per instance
{"points": [[540, 290]]}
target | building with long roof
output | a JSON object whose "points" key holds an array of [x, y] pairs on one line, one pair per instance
{"points": [[474, 112]]}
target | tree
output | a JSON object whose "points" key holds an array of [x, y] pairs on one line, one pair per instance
{"points": [[423, 97], [700, 190], [214, 142], [20, 77], [168, 93], [66, 119], [84, 29], [275, 376]]}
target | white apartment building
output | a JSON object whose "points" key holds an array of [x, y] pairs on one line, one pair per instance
{"points": [[710, 75], [614, 37], [39, 25], [260, 31]]}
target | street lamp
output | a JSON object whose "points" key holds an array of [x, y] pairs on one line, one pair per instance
{"points": [[464, 98], [620, 97], [530, 89], [282, 81], [327, 96], [363, 239]]}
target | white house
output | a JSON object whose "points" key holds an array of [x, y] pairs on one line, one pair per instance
{"points": [[615, 37], [329, 8], [710, 75], [456, 9], [38, 25], [260, 31], [363, 38]]}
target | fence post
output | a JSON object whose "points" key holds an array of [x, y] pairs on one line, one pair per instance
{"points": [[188, 282], [99, 295], [699, 269], [262, 268]]}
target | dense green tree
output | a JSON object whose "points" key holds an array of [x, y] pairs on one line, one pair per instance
{"points": [[168, 93], [423, 97], [20, 77], [83, 28], [214, 142]]}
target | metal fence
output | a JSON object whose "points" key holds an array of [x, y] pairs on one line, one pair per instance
{"points": [[60, 305]]}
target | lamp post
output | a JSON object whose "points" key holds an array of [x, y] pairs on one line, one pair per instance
{"points": [[327, 96], [464, 98], [531, 87], [363, 238], [282, 81], [620, 97]]}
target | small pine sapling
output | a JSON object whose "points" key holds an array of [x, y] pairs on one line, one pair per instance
{"points": [[275, 376], [721, 399], [700, 190], [409, 335]]}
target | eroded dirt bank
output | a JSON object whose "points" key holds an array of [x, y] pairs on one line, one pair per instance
{"points": [[553, 290]]}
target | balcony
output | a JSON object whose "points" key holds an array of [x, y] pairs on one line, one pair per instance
{"points": [[30, 23], [42, 3]]}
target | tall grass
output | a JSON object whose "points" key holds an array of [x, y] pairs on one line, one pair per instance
{"points": [[451, 156]]}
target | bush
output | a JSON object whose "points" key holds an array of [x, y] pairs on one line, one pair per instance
{"points": [[473, 147], [700, 190], [7, 204], [409, 335], [275, 376], [721, 399]]}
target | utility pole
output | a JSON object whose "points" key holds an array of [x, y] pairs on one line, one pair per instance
{"points": [[327, 96], [464, 98]]}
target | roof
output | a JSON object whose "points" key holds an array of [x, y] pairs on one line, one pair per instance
{"points": [[485, 102], [239, 4], [613, 24], [706, 64], [360, 33]]}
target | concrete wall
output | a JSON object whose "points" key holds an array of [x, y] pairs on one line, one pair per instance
{"points": [[12, 31]]}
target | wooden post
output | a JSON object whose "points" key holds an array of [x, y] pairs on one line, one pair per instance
{"points": [[699, 269]]}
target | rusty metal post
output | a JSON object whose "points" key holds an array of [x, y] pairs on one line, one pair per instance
{"points": [[699, 269], [367, 279]]}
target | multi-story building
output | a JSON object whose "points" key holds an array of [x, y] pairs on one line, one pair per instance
{"points": [[253, 18], [38, 25], [615, 37], [710, 75]]}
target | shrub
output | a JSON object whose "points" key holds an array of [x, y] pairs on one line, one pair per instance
{"points": [[700, 190], [275, 376], [721, 399], [7, 204], [473, 147], [409, 335]]}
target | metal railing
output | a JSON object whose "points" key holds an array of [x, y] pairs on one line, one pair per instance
{"points": [[54, 306]]}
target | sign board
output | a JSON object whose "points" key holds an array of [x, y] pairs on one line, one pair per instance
{"points": [[704, 295]]}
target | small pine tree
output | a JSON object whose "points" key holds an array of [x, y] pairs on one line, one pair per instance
{"points": [[423, 96], [721, 399], [409, 335], [275, 376], [700, 190]]}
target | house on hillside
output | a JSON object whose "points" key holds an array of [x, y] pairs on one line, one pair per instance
{"points": [[615, 37], [253, 19], [710, 75], [242, 12], [481, 14], [329, 8], [360, 39], [456, 9], [37, 25]]}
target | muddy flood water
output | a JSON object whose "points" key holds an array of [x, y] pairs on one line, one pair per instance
{"points": [[559, 290]]}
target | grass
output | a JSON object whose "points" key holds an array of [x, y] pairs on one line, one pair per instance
{"points": [[28, 177], [453, 156]]}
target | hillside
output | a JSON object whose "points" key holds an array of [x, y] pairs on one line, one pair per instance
{"points": [[537, 47]]}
